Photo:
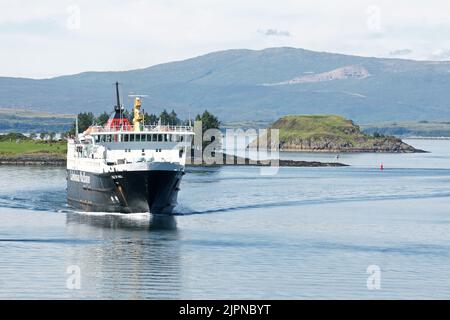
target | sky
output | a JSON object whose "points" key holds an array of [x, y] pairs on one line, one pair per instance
{"points": [[47, 38]]}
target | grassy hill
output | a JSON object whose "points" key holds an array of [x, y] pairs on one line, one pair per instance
{"points": [[16, 144], [331, 133], [255, 85]]}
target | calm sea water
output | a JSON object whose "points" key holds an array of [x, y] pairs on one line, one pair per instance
{"points": [[302, 233]]}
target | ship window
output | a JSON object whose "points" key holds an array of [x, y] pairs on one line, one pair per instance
{"points": [[108, 138], [125, 137], [97, 138], [180, 153], [131, 137], [102, 138], [142, 137], [149, 137], [137, 138], [181, 138], [115, 138], [165, 137], [154, 137], [159, 137]]}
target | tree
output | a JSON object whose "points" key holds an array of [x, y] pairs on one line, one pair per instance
{"points": [[12, 136], [42, 135], [150, 118], [209, 121], [127, 115], [102, 119], [51, 136], [165, 117], [376, 134], [85, 120], [173, 118]]}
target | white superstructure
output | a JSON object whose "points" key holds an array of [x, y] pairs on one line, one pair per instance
{"points": [[121, 167], [103, 149]]}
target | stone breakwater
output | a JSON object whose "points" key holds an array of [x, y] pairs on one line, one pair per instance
{"points": [[229, 160]]}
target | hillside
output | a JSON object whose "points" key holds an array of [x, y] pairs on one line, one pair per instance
{"points": [[411, 128], [261, 85], [331, 133], [23, 120]]}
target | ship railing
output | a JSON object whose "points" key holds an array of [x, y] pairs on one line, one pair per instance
{"points": [[147, 128]]}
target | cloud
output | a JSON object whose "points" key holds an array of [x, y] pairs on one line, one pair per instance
{"points": [[37, 39], [400, 52], [441, 54], [275, 33]]}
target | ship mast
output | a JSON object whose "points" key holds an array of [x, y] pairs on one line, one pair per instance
{"points": [[118, 105], [118, 96]]}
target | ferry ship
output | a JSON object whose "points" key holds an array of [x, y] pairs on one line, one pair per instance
{"points": [[127, 167]]}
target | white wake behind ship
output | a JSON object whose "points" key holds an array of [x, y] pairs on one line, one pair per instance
{"points": [[127, 168]]}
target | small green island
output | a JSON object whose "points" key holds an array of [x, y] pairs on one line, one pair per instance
{"points": [[331, 133]]}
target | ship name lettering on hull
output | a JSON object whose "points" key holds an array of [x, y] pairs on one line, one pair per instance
{"points": [[81, 177]]}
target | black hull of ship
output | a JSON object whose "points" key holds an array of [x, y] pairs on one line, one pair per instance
{"points": [[152, 191]]}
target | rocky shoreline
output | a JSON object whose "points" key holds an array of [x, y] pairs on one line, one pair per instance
{"points": [[336, 145], [34, 160], [354, 150]]}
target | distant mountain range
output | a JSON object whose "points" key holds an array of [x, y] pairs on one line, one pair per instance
{"points": [[249, 85]]}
